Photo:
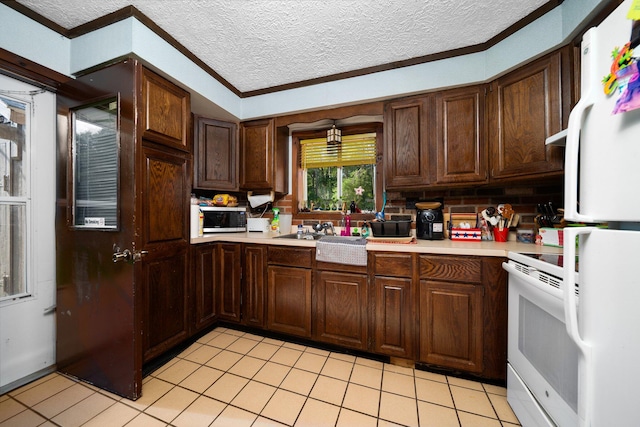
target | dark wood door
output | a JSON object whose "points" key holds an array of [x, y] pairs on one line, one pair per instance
{"points": [[460, 136], [289, 300], [254, 285], [451, 332], [341, 309], [524, 108], [257, 139], [228, 281], [99, 328], [407, 156], [204, 280], [165, 185], [216, 154], [394, 317]]}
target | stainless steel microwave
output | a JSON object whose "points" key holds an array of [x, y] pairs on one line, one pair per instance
{"points": [[219, 219]]}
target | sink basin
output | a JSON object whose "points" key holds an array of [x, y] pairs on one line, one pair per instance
{"points": [[305, 236]]}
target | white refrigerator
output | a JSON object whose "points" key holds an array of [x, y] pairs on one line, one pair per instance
{"points": [[602, 180]]}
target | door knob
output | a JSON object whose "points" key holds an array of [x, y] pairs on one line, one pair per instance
{"points": [[122, 256]]}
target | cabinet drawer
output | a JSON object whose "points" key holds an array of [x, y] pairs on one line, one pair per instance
{"points": [[451, 268], [294, 257], [393, 264]]}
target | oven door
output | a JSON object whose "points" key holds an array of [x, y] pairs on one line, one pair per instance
{"points": [[539, 349]]}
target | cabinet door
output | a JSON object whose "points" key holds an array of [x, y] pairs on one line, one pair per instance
{"points": [[255, 279], [525, 107], [407, 153], [460, 136], [216, 157], [289, 300], [394, 317], [258, 146], [165, 196], [165, 112], [204, 282], [340, 309], [229, 277], [451, 333]]}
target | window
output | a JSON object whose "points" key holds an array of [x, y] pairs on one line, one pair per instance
{"points": [[332, 176], [14, 196], [95, 168]]}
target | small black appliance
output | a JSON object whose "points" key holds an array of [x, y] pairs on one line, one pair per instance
{"points": [[429, 221]]}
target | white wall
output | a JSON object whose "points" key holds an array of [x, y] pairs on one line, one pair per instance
{"points": [[71, 56]]}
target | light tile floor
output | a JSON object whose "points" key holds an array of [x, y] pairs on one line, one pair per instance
{"points": [[231, 378]]}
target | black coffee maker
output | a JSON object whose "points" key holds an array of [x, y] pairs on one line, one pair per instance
{"points": [[429, 221]]}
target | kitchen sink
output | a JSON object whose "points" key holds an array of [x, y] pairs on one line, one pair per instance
{"points": [[304, 236]]}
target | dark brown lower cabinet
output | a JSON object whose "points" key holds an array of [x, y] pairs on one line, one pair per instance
{"points": [[289, 300], [463, 309], [254, 285], [204, 260], [166, 316], [394, 317], [340, 309], [229, 276], [451, 325]]}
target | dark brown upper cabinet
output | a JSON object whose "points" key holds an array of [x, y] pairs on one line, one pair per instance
{"points": [[264, 156], [216, 155], [165, 112], [406, 140], [461, 149], [524, 108]]}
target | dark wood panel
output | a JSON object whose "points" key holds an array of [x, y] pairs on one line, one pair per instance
{"points": [[204, 281], [166, 196], [460, 136], [451, 333], [407, 154], [495, 280], [291, 256], [464, 269], [289, 300], [165, 296], [527, 107], [257, 141], [394, 317], [165, 112], [229, 278], [255, 285], [216, 155], [340, 312], [393, 264]]}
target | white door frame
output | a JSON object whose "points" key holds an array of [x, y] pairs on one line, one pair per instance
{"points": [[27, 324]]}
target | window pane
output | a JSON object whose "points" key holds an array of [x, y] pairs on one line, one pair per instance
{"points": [[95, 148], [322, 188], [13, 181], [13, 240], [359, 179]]}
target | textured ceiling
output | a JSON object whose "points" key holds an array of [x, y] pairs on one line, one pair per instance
{"points": [[258, 44]]}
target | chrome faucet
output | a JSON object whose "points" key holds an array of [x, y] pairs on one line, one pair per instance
{"points": [[319, 227]]}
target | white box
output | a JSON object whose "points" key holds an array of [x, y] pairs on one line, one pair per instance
{"points": [[258, 224]]}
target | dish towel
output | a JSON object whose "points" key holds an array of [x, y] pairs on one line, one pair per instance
{"points": [[342, 250]]}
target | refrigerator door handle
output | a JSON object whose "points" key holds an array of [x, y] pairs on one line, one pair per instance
{"points": [[585, 398], [590, 84]]}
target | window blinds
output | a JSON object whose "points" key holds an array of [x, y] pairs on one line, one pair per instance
{"points": [[354, 150]]}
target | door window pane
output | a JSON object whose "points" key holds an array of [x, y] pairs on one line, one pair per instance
{"points": [[95, 154], [14, 193], [13, 250], [13, 173]]}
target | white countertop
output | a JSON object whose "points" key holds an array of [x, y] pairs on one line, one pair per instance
{"points": [[447, 247]]}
